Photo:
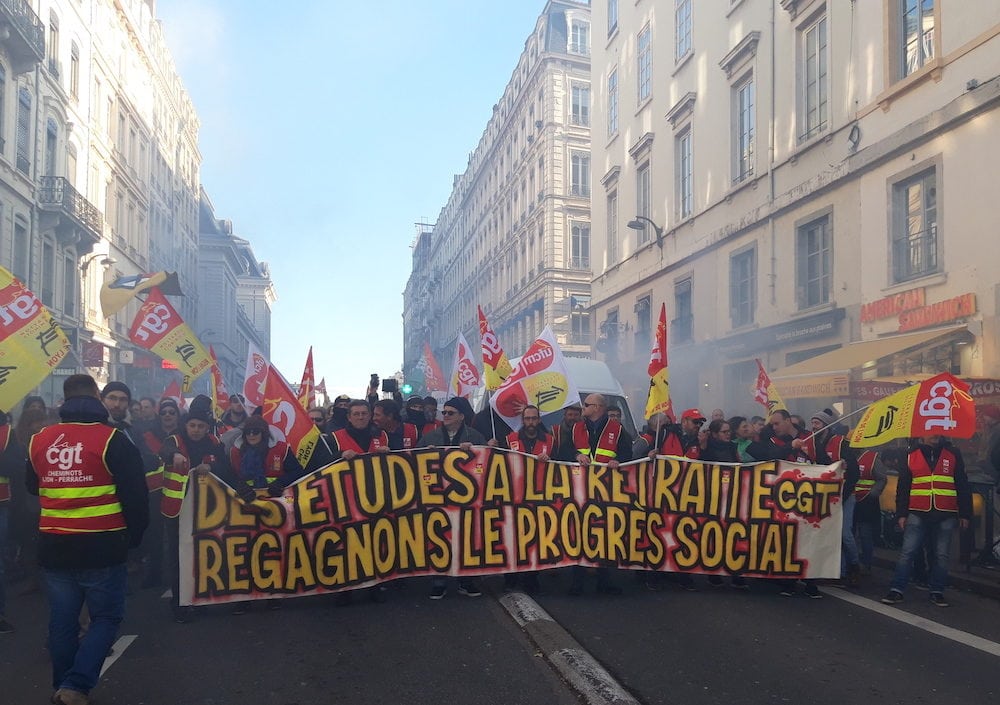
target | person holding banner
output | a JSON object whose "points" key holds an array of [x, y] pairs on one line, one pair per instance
{"points": [[401, 435], [602, 440], [825, 447], [932, 495], [192, 448], [88, 477], [358, 437], [777, 442], [455, 432]]}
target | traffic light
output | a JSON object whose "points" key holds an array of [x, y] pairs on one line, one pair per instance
{"points": [[406, 388]]}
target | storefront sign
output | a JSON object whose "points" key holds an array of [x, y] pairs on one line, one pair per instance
{"points": [[942, 312], [893, 305], [810, 387], [873, 390], [821, 325]]}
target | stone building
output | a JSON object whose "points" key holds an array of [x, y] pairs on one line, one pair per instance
{"points": [[806, 182], [514, 236]]}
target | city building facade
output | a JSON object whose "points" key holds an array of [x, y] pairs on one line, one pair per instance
{"points": [[804, 182], [514, 236], [238, 313], [99, 172]]}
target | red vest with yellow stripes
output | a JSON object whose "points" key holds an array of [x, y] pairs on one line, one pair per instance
{"points": [[933, 488], [607, 443], [866, 479], [175, 479], [543, 444], [4, 480], [345, 442], [76, 490]]}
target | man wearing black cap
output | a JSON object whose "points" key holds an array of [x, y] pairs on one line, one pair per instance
{"points": [[455, 432], [338, 414], [117, 397]]}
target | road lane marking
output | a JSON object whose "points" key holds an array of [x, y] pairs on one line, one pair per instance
{"points": [[576, 665], [119, 648], [957, 635], [166, 594]]}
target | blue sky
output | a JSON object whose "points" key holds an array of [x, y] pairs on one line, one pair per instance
{"points": [[328, 129]]}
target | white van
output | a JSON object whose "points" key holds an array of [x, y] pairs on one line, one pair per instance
{"points": [[590, 377]]}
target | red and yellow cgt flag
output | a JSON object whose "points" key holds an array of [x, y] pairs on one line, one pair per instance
{"points": [[31, 343], [765, 393], [160, 329], [220, 395], [307, 388], [658, 401], [496, 366], [939, 406], [288, 419]]}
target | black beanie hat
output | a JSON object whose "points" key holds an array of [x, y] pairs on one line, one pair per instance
{"points": [[462, 405], [116, 387], [201, 409]]}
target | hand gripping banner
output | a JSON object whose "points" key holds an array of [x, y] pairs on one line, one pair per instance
{"points": [[446, 511]]}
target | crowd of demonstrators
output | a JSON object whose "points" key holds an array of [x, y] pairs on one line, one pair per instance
{"points": [[933, 498]]}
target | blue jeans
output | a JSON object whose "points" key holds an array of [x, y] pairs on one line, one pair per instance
{"points": [[76, 663], [917, 524], [849, 547]]}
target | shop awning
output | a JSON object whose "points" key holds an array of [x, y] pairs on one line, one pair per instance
{"points": [[828, 375]]}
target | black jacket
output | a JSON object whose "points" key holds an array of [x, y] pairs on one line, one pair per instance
{"points": [[719, 452], [99, 549]]}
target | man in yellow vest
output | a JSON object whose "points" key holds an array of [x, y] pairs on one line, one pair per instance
{"points": [[933, 496], [89, 479], [599, 439]]}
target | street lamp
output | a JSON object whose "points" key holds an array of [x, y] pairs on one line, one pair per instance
{"points": [[106, 262], [637, 224]]}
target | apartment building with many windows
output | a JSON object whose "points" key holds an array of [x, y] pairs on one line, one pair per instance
{"points": [[99, 171], [515, 235], [801, 181]]}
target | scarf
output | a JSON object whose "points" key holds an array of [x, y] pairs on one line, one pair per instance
{"points": [[252, 464]]}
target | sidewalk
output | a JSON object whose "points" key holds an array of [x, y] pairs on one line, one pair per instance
{"points": [[978, 579]]}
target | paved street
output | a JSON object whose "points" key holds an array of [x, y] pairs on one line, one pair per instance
{"points": [[711, 646]]}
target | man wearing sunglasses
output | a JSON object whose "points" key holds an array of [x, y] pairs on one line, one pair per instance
{"points": [[455, 432]]}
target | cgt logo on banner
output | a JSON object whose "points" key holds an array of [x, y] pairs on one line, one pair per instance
{"points": [[445, 511]]}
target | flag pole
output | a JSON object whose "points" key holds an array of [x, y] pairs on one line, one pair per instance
{"points": [[853, 413]]}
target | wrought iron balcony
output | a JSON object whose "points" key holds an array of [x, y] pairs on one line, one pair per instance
{"points": [[26, 42], [77, 218]]}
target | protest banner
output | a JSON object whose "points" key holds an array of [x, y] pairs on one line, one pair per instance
{"points": [[448, 511]]}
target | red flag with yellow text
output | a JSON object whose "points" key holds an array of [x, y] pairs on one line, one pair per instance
{"points": [[496, 366], [289, 420], [433, 378], [658, 401], [31, 343], [307, 388], [220, 395], [160, 329], [765, 393], [939, 406]]}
